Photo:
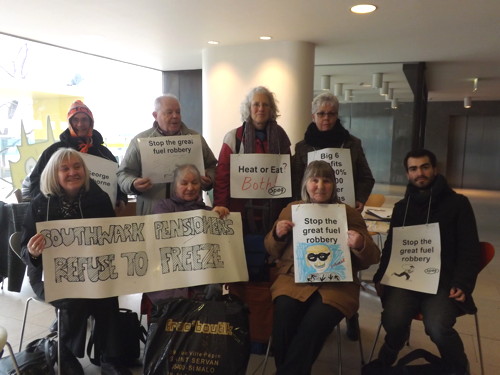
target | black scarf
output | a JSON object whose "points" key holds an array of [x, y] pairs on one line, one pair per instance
{"points": [[334, 137], [421, 197]]}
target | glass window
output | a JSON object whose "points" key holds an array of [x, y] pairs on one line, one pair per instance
{"points": [[38, 83]]}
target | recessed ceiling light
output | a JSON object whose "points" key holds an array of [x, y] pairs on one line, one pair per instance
{"points": [[363, 8], [213, 42], [264, 37]]}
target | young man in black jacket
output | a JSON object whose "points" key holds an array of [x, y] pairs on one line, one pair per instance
{"points": [[429, 199]]}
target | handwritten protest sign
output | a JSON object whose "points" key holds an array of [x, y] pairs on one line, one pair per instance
{"points": [[160, 156], [103, 172], [415, 262], [340, 160], [98, 258], [260, 176], [320, 246]]}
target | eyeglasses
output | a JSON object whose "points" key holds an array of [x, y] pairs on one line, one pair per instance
{"points": [[312, 257], [328, 114]]}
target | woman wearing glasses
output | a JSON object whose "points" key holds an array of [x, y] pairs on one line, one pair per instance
{"points": [[306, 313], [326, 131]]}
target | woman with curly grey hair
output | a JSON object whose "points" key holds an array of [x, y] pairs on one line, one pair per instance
{"points": [[259, 134]]}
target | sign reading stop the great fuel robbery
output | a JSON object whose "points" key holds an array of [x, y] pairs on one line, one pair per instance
{"points": [[260, 176], [340, 160]]}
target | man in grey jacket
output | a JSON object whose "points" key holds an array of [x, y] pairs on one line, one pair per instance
{"points": [[168, 122]]}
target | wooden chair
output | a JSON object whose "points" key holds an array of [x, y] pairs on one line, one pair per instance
{"points": [[375, 200], [486, 255]]}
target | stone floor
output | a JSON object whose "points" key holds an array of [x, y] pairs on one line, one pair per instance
{"points": [[487, 295]]}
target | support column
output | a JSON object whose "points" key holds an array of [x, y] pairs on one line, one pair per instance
{"points": [[285, 68]]}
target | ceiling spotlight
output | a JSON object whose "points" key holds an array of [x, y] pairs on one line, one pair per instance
{"points": [[475, 84], [390, 95], [467, 102], [325, 83], [214, 42], [347, 95], [384, 90], [265, 37], [337, 89], [394, 103], [363, 8], [377, 80]]}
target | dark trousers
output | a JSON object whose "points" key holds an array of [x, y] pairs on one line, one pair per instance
{"points": [[299, 332], [439, 313], [73, 322]]}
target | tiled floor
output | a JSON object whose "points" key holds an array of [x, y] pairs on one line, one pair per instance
{"points": [[487, 295]]}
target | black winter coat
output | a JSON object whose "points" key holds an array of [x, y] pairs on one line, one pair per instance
{"points": [[66, 140], [460, 250], [94, 203]]}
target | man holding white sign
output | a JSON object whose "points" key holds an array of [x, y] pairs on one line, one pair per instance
{"points": [[431, 220], [132, 180]]}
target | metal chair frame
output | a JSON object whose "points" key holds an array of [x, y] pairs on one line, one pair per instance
{"points": [[487, 254], [339, 349], [15, 246]]}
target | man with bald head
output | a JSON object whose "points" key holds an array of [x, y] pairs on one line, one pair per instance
{"points": [[168, 122]]}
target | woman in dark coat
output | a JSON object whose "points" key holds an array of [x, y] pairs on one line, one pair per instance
{"points": [[326, 131], [80, 136], [68, 193]]}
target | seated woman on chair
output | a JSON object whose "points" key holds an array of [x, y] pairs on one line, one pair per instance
{"points": [[185, 196], [306, 313], [67, 192]]}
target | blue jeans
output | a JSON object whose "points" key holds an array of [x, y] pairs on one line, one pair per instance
{"points": [[299, 332], [439, 316]]}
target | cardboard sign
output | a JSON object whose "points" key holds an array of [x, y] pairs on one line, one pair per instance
{"points": [[415, 262], [320, 246], [105, 257], [160, 156], [340, 160], [103, 172], [261, 176]]}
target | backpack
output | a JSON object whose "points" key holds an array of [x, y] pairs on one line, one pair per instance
{"points": [[434, 365]]}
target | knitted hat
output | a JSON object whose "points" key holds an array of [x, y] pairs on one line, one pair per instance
{"points": [[79, 107]]}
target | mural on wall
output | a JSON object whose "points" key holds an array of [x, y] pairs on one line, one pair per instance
{"points": [[28, 155]]}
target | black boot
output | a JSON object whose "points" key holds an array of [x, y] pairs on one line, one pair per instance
{"points": [[353, 328], [387, 355], [70, 365]]}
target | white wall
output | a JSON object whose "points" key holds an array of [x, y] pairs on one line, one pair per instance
{"points": [[229, 72]]}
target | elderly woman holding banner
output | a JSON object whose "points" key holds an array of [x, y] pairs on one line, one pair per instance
{"points": [[306, 313], [185, 196], [68, 193]]}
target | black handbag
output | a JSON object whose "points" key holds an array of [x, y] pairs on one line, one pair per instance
{"points": [[38, 358], [132, 333], [189, 337]]}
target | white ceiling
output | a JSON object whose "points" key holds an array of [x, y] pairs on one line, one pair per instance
{"points": [[458, 39]]}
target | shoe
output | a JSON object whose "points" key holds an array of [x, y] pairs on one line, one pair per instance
{"points": [[70, 365], [387, 355], [109, 368], [352, 328]]}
